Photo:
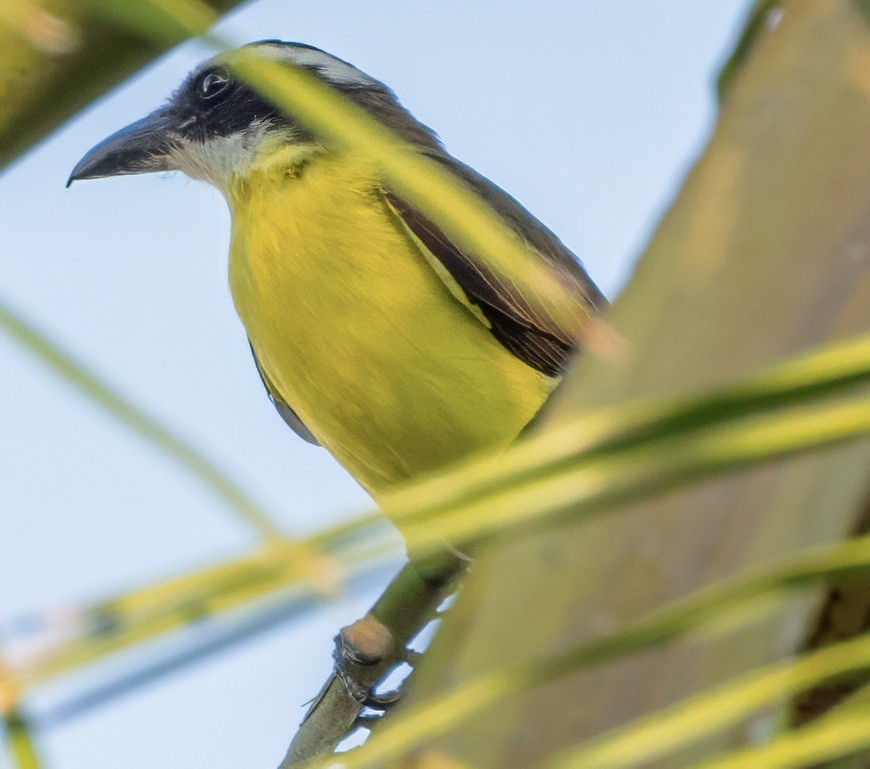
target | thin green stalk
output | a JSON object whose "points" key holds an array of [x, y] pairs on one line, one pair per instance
{"points": [[21, 743], [441, 714], [714, 711], [157, 610], [137, 420], [826, 371], [592, 485], [846, 735]]}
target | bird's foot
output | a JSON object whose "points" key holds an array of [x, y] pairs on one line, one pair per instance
{"points": [[364, 654]]}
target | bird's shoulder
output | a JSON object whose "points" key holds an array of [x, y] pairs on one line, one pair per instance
{"points": [[541, 342]]}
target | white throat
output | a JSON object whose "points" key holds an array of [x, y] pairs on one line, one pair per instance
{"points": [[220, 159]]}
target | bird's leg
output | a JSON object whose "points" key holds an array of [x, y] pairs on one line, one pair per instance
{"points": [[366, 652], [369, 642], [364, 644]]}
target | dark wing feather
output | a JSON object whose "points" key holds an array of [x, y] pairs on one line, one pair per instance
{"points": [[287, 414], [540, 344], [529, 334]]}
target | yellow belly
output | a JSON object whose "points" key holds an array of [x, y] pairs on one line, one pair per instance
{"points": [[359, 334]]}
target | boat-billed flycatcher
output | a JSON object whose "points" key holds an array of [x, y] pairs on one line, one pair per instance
{"points": [[375, 335]]}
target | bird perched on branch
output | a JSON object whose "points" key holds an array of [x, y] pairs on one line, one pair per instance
{"points": [[376, 334]]}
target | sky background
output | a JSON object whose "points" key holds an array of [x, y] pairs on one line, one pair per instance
{"points": [[589, 113]]}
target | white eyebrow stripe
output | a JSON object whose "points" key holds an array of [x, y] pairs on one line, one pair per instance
{"points": [[330, 67]]}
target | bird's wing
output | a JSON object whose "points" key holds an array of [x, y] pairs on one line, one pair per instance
{"points": [[537, 340], [287, 414]]}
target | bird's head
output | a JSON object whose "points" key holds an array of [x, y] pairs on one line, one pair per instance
{"points": [[215, 126]]}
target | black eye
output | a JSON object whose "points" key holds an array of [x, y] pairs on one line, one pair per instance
{"points": [[213, 84]]}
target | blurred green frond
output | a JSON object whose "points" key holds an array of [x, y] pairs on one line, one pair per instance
{"points": [[58, 56], [216, 479], [711, 606], [610, 457], [754, 28], [858, 701], [848, 734], [20, 741], [864, 7], [302, 575], [671, 729]]}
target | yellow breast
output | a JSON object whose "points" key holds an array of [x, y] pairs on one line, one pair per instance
{"points": [[359, 334]]}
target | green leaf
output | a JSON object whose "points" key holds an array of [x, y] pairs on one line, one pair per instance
{"points": [[21, 743], [714, 604], [669, 730], [864, 8], [753, 29], [216, 479], [58, 56], [846, 735]]}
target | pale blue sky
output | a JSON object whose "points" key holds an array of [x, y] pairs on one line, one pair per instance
{"points": [[588, 112]]}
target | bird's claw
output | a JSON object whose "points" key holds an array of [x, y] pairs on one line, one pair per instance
{"points": [[364, 644], [383, 701]]}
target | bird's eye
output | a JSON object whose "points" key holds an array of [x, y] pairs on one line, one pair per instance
{"points": [[213, 84]]}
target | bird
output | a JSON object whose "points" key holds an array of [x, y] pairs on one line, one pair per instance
{"points": [[375, 334]]}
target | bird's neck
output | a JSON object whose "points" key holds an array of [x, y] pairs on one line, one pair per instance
{"points": [[276, 166]]}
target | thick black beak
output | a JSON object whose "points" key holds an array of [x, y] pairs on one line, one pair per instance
{"points": [[140, 148]]}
